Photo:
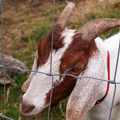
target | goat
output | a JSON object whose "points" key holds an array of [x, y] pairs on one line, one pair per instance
{"points": [[75, 52]]}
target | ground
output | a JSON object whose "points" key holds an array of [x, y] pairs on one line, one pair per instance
{"points": [[25, 23]]}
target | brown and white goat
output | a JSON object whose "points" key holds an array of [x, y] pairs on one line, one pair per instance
{"points": [[75, 52]]}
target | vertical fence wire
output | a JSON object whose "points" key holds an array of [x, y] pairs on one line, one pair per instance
{"points": [[1, 32], [2, 50], [4, 92], [52, 36], [117, 60], [51, 59], [1, 66]]}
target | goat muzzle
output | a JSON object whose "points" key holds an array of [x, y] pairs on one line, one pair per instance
{"points": [[26, 109]]}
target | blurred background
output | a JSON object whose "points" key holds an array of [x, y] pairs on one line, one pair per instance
{"points": [[25, 23]]}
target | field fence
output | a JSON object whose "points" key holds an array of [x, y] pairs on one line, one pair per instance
{"points": [[50, 74]]}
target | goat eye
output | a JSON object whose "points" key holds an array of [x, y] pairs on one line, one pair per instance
{"points": [[75, 69]]}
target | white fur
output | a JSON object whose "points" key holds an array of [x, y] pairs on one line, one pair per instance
{"points": [[87, 91], [82, 98]]}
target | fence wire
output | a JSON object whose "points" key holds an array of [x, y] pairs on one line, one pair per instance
{"points": [[51, 74]]}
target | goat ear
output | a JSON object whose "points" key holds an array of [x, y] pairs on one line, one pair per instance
{"points": [[86, 91], [27, 82]]}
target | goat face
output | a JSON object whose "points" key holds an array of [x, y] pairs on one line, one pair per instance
{"points": [[68, 56], [71, 52]]}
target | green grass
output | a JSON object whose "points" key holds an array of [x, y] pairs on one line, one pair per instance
{"points": [[37, 34], [35, 29]]}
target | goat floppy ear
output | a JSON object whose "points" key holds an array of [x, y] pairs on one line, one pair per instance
{"points": [[86, 91], [27, 82]]}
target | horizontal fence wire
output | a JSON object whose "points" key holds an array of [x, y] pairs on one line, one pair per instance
{"points": [[51, 74]]}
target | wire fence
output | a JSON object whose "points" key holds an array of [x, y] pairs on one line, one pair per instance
{"points": [[50, 73]]}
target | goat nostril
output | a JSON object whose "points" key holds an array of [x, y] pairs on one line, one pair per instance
{"points": [[27, 108]]}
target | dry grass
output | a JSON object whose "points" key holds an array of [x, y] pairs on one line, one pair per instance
{"points": [[28, 17], [85, 10]]}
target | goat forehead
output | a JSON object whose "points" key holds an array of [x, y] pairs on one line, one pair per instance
{"points": [[67, 36], [42, 82], [57, 55]]}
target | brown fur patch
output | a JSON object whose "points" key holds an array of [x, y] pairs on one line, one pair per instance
{"points": [[61, 91], [44, 47], [77, 54], [73, 61]]}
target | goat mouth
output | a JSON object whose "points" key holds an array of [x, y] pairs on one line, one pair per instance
{"points": [[30, 111], [26, 112]]}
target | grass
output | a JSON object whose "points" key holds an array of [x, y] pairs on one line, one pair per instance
{"points": [[27, 27], [37, 34]]}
